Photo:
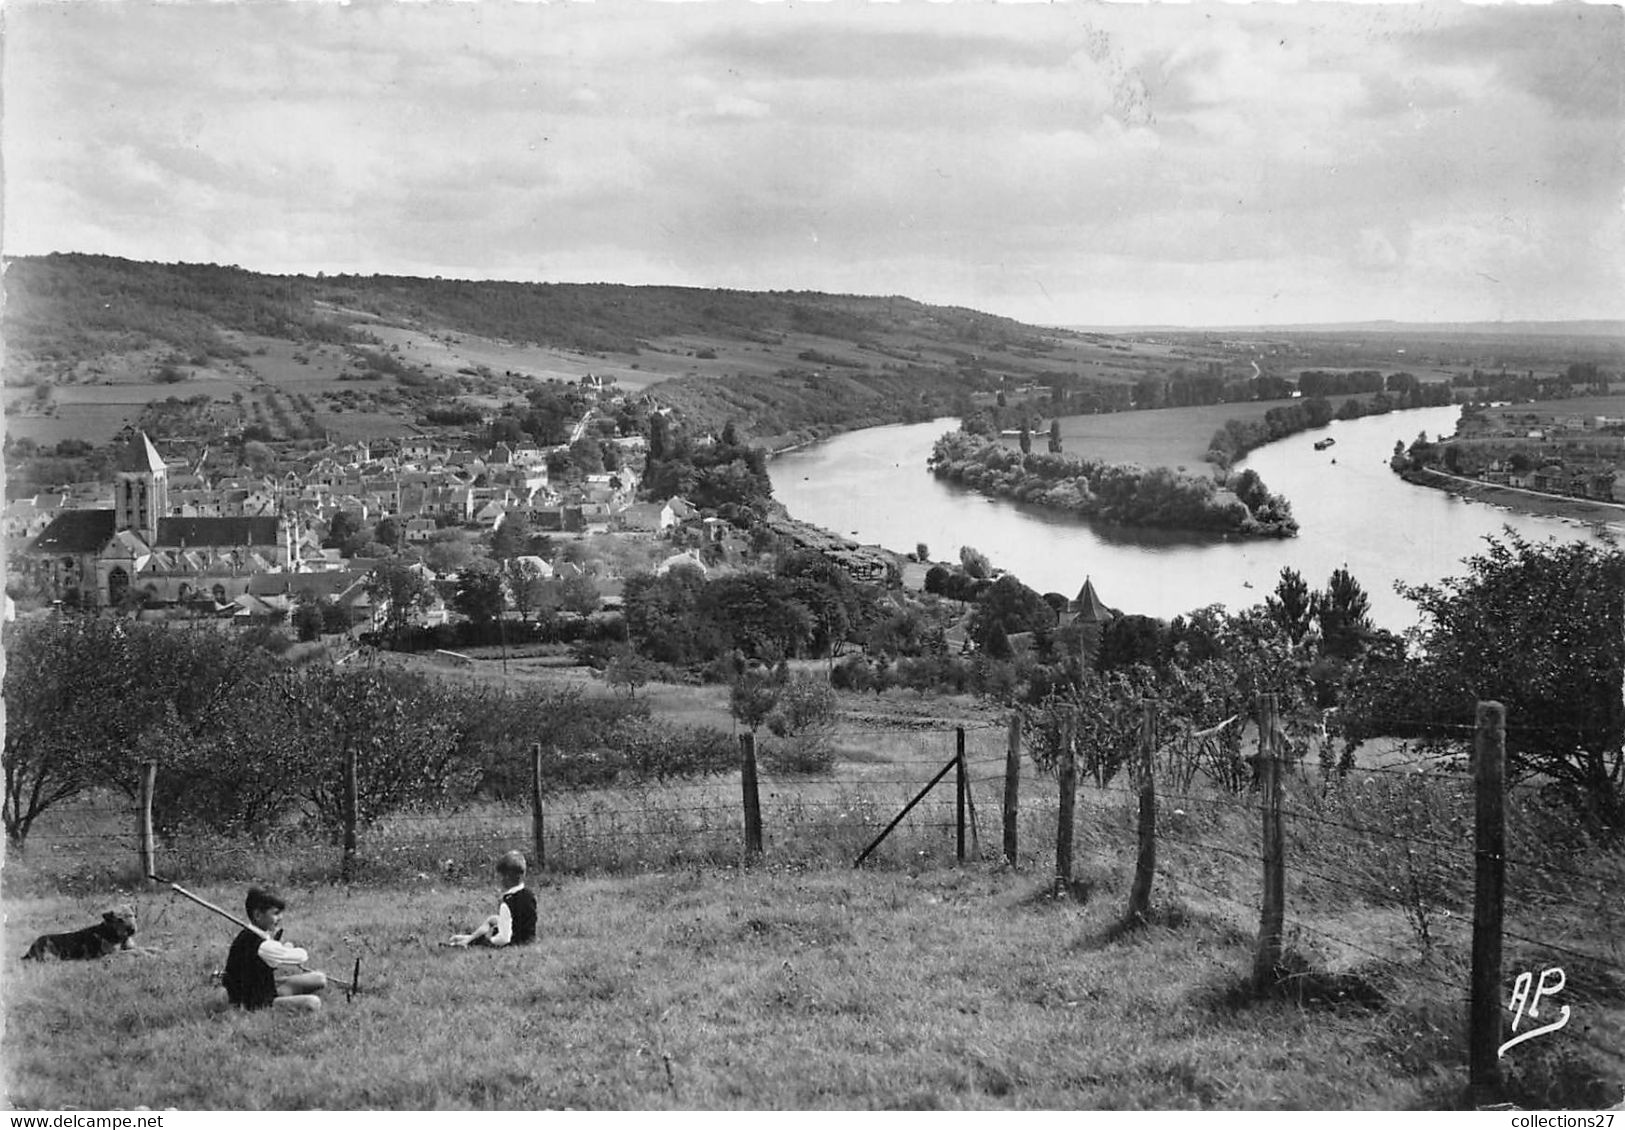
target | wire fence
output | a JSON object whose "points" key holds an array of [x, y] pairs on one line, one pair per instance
{"points": [[807, 818], [1393, 840]]}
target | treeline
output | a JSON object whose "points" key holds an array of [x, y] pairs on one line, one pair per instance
{"points": [[66, 307], [1126, 494], [247, 742], [1238, 437]]}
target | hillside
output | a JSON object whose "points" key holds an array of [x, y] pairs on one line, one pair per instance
{"points": [[93, 339]]}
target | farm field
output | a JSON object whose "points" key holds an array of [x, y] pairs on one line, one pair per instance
{"points": [[1161, 437], [1574, 406]]}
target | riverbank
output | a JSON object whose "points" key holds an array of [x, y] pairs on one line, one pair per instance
{"points": [[1520, 500]]}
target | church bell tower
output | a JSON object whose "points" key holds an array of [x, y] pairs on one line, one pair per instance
{"points": [[141, 489]]}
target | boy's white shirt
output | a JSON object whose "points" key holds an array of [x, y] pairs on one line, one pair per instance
{"points": [[274, 953], [503, 934]]}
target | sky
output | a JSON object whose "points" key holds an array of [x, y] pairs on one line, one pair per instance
{"points": [[1059, 163]]}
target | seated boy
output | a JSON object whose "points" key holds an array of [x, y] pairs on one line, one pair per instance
{"points": [[514, 923], [259, 968]]}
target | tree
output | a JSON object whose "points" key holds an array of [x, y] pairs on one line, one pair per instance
{"points": [[506, 429], [996, 643], [1010, 605], [937, 579], [525, 583], [660, 440], [1055, 437], [56, 687], [579, 594], [754, 694], [1342, 611], [1292, 606], [388, 532], [1026, 439], [1250, 488], [627, 670], [341, 529], [586, 456], [447, 555], [307, 618], [974, 562], [1539, 628], [89, 699], [401, 592], [259, 458], [512, 537], [401, 731], [479, 593]]}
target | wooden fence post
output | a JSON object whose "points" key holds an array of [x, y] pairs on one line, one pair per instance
{"points": [[351, 803], [1489, 887], [1268, 957], [1069, 794], [959, 793], [537, 846], [1012, 788], [149, 842], [1145, 867], [752, 796]]}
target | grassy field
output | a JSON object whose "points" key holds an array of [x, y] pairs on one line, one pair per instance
{"points": [[672, 975], [1165, 437], [949, 989]]}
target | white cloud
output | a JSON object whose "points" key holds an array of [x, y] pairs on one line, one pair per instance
{"points": [[1236, 163]]}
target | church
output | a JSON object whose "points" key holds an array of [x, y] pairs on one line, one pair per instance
{"points": [[138, 549]]}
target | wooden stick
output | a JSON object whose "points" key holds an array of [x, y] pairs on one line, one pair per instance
{"points": [[207, 905], [349, 986]]}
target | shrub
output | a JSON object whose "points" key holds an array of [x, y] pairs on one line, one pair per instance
{"points": [[661, 751], [852, 674], [805, 703], [807, 753]]}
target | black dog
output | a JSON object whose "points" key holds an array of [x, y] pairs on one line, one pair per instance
{"points": [[111, 934]]}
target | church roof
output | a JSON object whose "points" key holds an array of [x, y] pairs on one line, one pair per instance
{"points": [[140, 455], [218, 531], [76, 531]]}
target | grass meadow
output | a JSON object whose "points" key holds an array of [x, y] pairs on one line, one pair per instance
{"points": [[674, 974], [1163, 437]]}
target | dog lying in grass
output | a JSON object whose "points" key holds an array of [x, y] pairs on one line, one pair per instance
{"points": [[113, 933]]}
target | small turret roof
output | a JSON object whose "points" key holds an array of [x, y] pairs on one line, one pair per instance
{"points": [[1089, 606]]}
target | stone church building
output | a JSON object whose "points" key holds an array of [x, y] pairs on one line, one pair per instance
{"points": [[96, 558]]}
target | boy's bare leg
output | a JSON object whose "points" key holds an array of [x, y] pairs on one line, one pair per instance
{"points": [[483, 931], [300, 1002], [301, 984]]}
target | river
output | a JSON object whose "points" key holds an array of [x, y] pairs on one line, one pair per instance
{"points": [[872, 485]]}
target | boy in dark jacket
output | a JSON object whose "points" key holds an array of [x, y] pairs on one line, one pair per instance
{"points": [[514, 923], [258, 966]]}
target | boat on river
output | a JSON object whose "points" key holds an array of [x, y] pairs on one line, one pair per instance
{"points": [[1323, 444]]}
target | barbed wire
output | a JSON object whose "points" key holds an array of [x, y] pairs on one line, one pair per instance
{"points": [[1597, 958], [1405, 970], [1394, 896], [1553, 869]]}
